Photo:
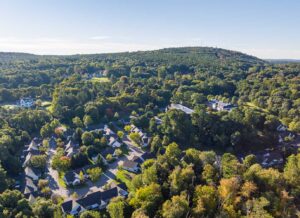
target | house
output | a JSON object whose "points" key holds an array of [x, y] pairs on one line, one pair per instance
{"points": [[26, 102], [28, 155], [185, 109], [137, 159], [145, 139], [33, 146], [70, 149], [32, 197], [113, 142], [27, 160], [147, 156], [30, 187], [130, 166], [72, 178], [71, 207], [91, 201], [220, 105], [107, 151], [158, 121], [32, 173], [281, 128], [107, 195], [109, 132], [122, 189]]}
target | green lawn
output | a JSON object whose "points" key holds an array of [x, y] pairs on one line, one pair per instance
{"points": [[46, 103], [100, 80], [252, 105], [10, 106], [61, 181], [125, 177]]}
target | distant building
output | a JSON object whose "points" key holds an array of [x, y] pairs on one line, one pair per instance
{"points": [[26, 102], [220, 105], [185, 109]]}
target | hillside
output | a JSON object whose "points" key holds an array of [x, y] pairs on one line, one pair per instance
{"points": [[152, 131], [185, 55]]}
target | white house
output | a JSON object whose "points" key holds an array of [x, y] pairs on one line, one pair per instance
{"points": [[26, 102], [181, 107]]}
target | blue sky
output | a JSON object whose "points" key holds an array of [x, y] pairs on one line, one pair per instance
{"points": [[264, 28]]}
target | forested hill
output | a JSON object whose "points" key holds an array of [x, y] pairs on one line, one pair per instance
{"points": [[183, 55], [13, 56]]}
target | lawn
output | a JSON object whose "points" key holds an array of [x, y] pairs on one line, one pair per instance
{"points": [[46, 103], [10, 106], [252, 105], [100, 80], [61, 181], [125, 177]]}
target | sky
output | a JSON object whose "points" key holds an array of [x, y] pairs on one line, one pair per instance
{"points": [[263, 28]]}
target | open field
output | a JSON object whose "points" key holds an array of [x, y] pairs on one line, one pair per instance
{"points": [[100, 80]]}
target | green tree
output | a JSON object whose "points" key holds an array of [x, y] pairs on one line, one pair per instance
{"points": [[230, 165], [38, 161], [77, 122], [90, 214], [87, 138], [205, 201], [94, 173], [3, 179], [87, 120], [116, 207], [178, 206], [148, 198], [292, 171]]}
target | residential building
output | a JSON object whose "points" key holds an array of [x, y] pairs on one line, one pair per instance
{"points": [[185, 109], [144, 138], [26, 102], [131, 166], [220, 105], [71, 178], [32, 173], [71, 207]]}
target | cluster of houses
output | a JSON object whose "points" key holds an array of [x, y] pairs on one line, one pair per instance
{"points": [[220, 105], [94, 201], [97, 199], [214, 104], [32, 175]]}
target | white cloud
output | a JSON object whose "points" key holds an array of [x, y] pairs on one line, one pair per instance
{"points": [[99, 37]]}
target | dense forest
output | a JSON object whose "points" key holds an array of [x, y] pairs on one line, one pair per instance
{"points": [[209, 163]]}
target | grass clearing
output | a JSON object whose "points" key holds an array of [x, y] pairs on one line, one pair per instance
{"points": [[100, 80], [9, 106], [125, 177], [252, 105], [46, 103]]}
